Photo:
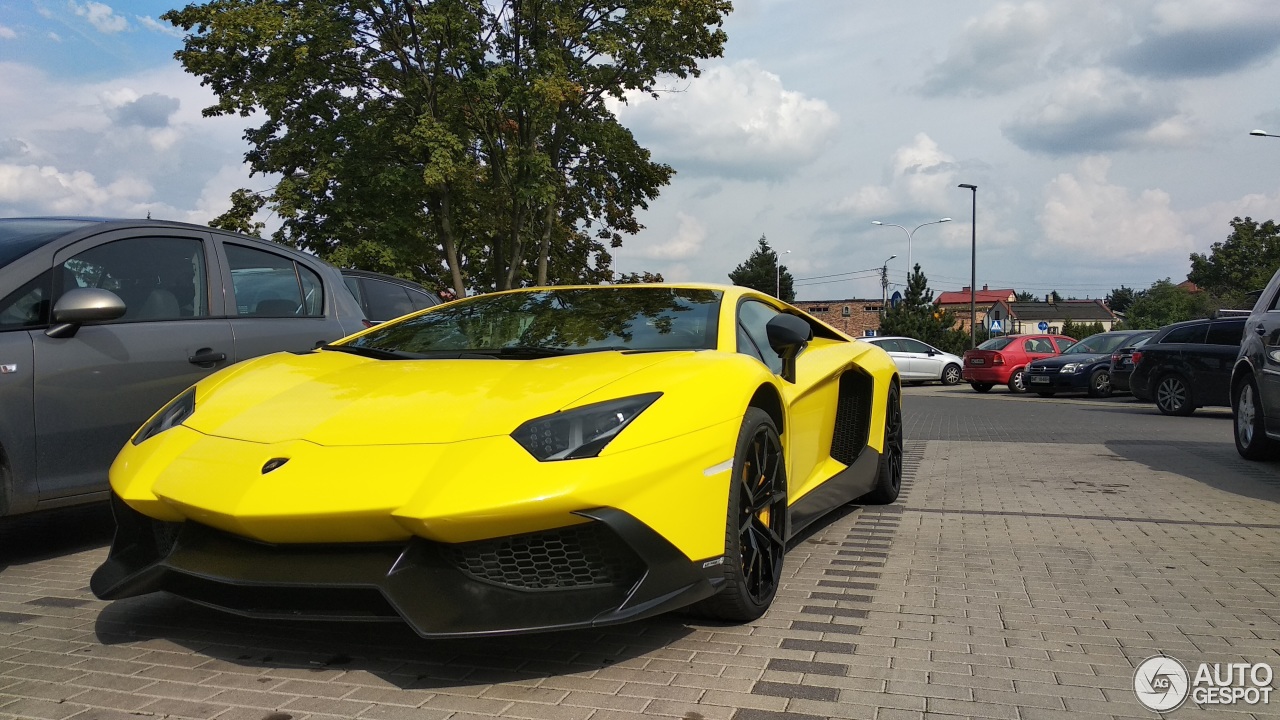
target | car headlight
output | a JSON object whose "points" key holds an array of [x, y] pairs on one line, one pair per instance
{"points": [[1072, 367], [581, 432], [173, 414]]}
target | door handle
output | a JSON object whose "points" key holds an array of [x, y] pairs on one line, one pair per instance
{"points": [[1260, 329], [206, 356]]}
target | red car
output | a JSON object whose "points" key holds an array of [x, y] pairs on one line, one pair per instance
{"points": [[1002, 360]]}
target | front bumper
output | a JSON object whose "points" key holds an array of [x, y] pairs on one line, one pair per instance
{"points": [[1057, 381], [610, 569]]}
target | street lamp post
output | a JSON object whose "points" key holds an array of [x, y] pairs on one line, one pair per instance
{"points": [[910, 233], [777, 274], [1263, 133], [884, 284], [973, 268]]}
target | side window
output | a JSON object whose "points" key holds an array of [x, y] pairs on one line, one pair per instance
{"points": [[1064, 343], [421, 300], [914, 346], [1229, 332], [157, 278], [385, 300], [27, 306], [270, 285], [1188, 334], [753, 316], [892, 345], [1037, 345]]}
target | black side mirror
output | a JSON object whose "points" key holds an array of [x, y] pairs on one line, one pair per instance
{"points": [[83, 305], [788, 335]]}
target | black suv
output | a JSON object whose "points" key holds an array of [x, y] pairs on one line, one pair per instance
{"points": [[1187, 365], [1255, 380]]}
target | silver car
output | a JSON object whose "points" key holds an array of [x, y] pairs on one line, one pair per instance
{"points": [[920, 362], [104, 321]]}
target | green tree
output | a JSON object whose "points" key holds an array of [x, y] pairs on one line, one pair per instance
{"points": [[1080, 331], [1164, 303], [917, 317], [1119, 299], [1025, 296], [1239, 265], [760, 271], [467, 143], [244, 205]]}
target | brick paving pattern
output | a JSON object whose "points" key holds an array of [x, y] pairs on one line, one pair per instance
{"points": [[1040, 550]]}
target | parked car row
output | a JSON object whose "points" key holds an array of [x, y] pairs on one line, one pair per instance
{"points": [[104, 321], [1003, 360]]}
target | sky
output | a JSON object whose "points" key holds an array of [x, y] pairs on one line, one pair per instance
{"points": [[1107, 140]]}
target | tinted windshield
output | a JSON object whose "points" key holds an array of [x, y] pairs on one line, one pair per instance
{"points": [[1096, 344], [995, 344], [556, 322], [19, 236]]}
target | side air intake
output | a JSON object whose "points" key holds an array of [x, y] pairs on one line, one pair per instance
{"points": [[853, 416]]}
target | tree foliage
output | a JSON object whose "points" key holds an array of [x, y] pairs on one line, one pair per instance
{"points": [[464, 143], [917, 317], [1025, 296], [1119, 299], [1164, 303], [1241, 264], [1080, 331], [761, 271]]}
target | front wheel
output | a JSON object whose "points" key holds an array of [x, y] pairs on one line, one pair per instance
{"points": [[981, 387], [951, 374], [756, 526], [1251, 435], [889, 474], [1173, 397], [1100, 384], [1018, 381]]}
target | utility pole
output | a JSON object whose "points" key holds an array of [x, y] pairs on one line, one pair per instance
{"points": [[884, 284]]}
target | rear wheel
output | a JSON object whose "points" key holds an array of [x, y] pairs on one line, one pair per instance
{"points": [[1173, 396], [951, 374], [889, 475], [982, 387], [1018, 381], [1100, 383], [756, 527], [1251, 435]]}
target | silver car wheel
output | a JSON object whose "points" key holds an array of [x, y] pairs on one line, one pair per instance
{"points": [[1245, 414]]}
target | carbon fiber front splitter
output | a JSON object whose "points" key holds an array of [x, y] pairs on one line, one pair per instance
{"points": [[415, 581]]}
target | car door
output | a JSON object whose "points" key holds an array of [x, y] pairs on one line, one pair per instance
{"points": [[92, 390], [275, 302], [1267, 327], [901, 359], [1222, 345], [925, 362], [22, 309]]}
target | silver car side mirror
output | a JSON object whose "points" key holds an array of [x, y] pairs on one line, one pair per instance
{"points": [[83, 305]]}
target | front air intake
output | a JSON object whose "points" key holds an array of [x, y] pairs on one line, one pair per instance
{"points": [[579, 556]]}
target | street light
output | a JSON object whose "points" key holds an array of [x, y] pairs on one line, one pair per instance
{"points": [[1263, 133], [973, 269], [912, 231], [884, 284], [777, 274]]}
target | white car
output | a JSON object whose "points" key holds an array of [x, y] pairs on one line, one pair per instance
{"points": [[920, 362]]}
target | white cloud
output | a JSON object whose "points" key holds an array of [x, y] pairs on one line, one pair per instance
{"points": [[737, 121], [154, 25], [1211, 223], [7, 33], [686, 242], [52, 191], [1000, 50], [101, 17], [921, 178], [1087, 218], [55, 37]]}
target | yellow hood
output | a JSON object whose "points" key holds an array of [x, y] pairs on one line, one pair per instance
{"points": [[336, 399]]}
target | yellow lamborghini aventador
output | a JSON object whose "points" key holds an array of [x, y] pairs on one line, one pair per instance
{"points": [[527, 460]]}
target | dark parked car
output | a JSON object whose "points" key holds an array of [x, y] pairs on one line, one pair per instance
{"points": [[1083, 367], [1122, 361], [384, 297], [1187, 365], [103, 321], [1255, 380]]}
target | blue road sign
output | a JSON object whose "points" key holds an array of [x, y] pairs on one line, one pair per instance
{"points": [[1043, 326]]}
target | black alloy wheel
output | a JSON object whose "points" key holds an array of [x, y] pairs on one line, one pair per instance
{"points": [[1251, 434], [1100, 383], [755, 539], [1173, 397], [951, 374], [889, 474], [1018, 381]]}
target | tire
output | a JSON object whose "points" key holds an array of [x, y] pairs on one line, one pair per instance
{"points": [[1045, 393], [755, 527], [981, 387], [889, 473], [1173, 396], [1018, 381], [1100, 383], [951, 374], [1247, 418]]}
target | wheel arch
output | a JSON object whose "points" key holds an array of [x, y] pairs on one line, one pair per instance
{"points": [[767, 398]]}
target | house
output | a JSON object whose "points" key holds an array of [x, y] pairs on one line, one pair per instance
{"points": [[987, 302], [1025, 317], [855, 317]]}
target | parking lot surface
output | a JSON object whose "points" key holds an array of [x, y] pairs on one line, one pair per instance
{"points": [[1040, 551]]}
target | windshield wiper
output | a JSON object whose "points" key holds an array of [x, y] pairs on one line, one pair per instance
{"points": [[370, 352]]}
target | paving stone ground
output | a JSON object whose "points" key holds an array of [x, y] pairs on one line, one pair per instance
{"points": [[1040, 551]]}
